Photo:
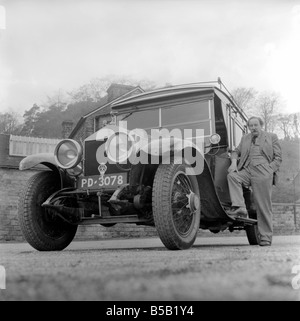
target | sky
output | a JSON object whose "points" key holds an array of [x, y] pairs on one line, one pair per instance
{"points": [[47, 46]]}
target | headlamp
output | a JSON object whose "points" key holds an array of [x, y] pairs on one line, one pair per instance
{"points": [[214, 139], [68, 153]]}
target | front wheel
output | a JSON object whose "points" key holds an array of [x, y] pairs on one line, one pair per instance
{"points": [[176, 206], [41, 229]]}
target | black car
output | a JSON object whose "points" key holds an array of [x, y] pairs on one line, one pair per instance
{"points": [[162, 161]]}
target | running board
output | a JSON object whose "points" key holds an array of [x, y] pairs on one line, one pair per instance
{"points": [[245, 220], [113, 220]]}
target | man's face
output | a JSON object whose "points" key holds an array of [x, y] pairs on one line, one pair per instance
{"points": [[255, 127]]}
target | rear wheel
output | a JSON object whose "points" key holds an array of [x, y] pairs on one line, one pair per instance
{"points": [[176, 206], [42, 229]]}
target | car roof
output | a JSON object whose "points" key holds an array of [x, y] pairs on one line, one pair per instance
{"points": [[176, 91], [163, 93]]}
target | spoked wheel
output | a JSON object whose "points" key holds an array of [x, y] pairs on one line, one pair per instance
{"points": [[176, 206], [41, 228]]}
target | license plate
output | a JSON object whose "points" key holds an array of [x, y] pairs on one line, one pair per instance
{"points": [[107, 181]]}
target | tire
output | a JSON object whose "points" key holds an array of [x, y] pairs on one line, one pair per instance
{"points": [[176, 224], [41, 229], [252, 232]]}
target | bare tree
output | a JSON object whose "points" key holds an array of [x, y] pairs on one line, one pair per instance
{"points": [[289, 125], [296, 125], [284, 124], [30, 117], [245, 98], [9, 123], [58, 99], [267, 106], [96, 88]]}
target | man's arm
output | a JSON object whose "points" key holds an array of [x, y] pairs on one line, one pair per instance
{"points": [[277, 158], [234, 157]]}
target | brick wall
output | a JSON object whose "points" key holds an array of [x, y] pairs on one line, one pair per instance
{"points": [[80, 135], [13, 180], [89, 126], [95, 232], [286, 217], [284, 220]]}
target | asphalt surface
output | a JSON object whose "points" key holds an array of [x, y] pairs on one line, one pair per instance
{"points": [[215, 268]]}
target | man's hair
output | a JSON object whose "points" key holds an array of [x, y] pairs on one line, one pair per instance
{"points": [[255, 117]]}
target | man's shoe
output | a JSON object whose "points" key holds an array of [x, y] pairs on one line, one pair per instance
{"points": [[264, 243], [238, 212]]}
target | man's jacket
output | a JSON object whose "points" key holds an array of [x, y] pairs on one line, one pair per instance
{"points": [[269, 146]]}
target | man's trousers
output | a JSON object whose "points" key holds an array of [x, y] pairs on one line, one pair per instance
{"points": [[260, 178]]}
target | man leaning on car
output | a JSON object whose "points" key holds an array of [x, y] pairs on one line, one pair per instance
{"points": [[260, 157]]}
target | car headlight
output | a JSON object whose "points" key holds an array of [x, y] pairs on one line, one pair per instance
{"points": [[119, 147], [214, 139], [68, 153]]}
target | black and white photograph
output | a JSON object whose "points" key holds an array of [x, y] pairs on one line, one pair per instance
{"points": [[149, 153]]}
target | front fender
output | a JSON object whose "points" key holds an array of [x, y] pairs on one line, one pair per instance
{"points": [[211, 207], [163, 149], [164, 145], [32, 161], [46, 159]]}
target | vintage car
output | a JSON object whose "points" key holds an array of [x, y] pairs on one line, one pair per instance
{"points": [[162, 161]]}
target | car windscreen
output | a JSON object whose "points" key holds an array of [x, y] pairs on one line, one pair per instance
{"points": [[144, 119], [184, 115]]}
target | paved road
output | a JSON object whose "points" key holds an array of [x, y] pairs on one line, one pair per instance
{"points": [[215, 268]]}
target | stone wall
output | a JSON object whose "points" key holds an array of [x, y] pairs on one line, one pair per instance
{"points": [[96, 232], [13, 180], [286, 218], [12, 183]]}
